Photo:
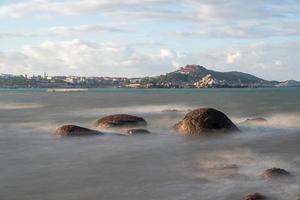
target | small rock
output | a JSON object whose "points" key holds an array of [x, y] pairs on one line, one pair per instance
{"points": [[253, 196], [121, 121], [275, 173], [171, 110], [138, 131], [73, 130], [258, 120]]}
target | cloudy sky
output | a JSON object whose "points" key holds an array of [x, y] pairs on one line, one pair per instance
{"points": [[149, 37]]}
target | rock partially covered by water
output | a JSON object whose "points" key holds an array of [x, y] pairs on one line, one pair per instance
{"points": [[257, 120], [254, 196], [205, 120], [121, 121], [275, 173], [73, 130], [170, 111], [137, 131]]}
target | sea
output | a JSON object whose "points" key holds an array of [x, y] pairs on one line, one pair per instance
{"points": [[163, 165]]}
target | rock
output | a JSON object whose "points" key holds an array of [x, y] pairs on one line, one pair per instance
{"points": [[120, 121], [170, 110], [137, 131], [73, 130], [275, 173], [258, 120], [253, 196], [207, 81], [204, 120]]}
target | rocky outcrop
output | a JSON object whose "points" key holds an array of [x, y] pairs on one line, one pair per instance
{"points": [[207, 81], [137, 131], [253, 196], [120, 121], [273, 173], [73, 130], [205, 120]]}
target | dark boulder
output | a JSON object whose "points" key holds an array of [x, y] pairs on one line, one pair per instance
{"points": [[120, 121], [205, 120], [137, 131], [275, 173], [73, 130], [253, 196]]}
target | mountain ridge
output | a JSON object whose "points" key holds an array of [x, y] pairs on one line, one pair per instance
{"points": [[190, 74]]}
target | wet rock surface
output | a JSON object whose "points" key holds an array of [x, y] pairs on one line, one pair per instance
{"points": [[253, 196], [74, 130], [138, 131], [205, 120], [121, 121], [273, 173]]}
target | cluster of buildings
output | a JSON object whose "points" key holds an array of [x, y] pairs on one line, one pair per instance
{"points": [[45, 81]]}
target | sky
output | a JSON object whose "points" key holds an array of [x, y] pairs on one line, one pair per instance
{"points": [[136, 38]]}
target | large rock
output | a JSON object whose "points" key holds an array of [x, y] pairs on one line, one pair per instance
{"points": [[253, 196], [73, 130], [120, 121], [273, 173], [205, 120]]}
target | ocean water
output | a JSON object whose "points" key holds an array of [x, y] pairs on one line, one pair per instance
{"points": [[160, 166]]}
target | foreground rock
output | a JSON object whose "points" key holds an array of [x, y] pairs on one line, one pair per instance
{"points": [[273, 173], [253, 196], [258, 120], [121, 121], [137, 131], [204, 120], [73, 130]]}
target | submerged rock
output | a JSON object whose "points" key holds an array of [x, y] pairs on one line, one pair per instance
{"points": [[205, 120], [137, 131], [254, 196], [257, 120], [121, 121], [170, 110], [275, 173], [73, 130]]}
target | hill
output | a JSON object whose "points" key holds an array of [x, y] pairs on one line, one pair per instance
{"points": [[199, 76]]}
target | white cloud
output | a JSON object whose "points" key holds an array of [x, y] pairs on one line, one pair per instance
{"points": [[85, 58], [270, 61], [233, 57], [76, 57], [64, 31], [212, 18], [231, 19]]}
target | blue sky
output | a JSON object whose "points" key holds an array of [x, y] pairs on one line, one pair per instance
{"points": [[149, 37]]}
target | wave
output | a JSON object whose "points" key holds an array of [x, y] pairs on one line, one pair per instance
{"points": [[19, 106], [281, 120]]}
